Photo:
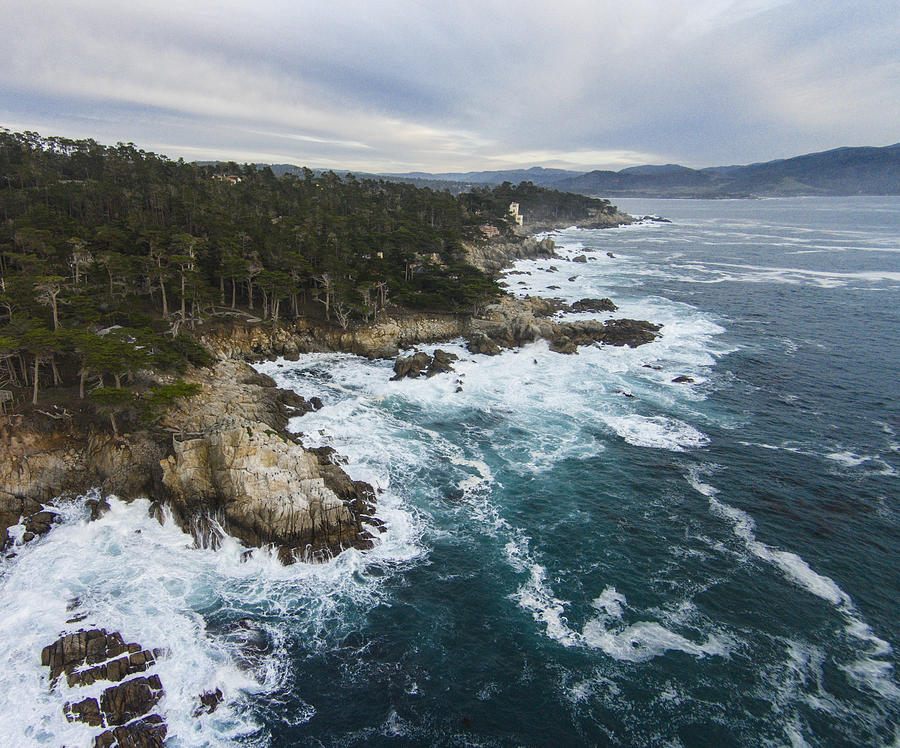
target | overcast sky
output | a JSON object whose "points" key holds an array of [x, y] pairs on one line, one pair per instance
{"points": [[456, 85]]}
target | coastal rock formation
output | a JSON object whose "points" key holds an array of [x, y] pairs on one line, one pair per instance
{"points": [[593, 305], [414, 365], [265, 489], [494, 255], [381, 339], [230, 465], [516, 322], [88, 656], [233, 465]]}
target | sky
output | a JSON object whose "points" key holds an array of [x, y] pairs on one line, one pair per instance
{"points": [[456, 85]]}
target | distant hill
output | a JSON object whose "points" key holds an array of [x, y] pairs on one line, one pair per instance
{"points": [[842, 171], [537, 175]]}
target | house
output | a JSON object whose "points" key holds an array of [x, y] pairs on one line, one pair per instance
{"points": [[515, 215]]}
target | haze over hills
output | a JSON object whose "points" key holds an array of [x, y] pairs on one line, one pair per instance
{"points": [[842, 171]]}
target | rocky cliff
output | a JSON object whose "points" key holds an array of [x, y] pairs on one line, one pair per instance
{"points": [[219, 460]]}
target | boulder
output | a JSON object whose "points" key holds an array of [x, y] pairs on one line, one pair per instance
{"points": [[209, 702], [580, 258], [411, 366], [481, 343], [563, 345], [441, 362], [593, 305]]}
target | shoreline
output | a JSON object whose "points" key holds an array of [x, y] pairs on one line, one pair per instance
{"points": [[222, 460], [47, 454]]}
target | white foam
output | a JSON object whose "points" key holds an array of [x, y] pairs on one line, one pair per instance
{"points": [[657, 432], [875, 674], [128, 574], [873, 463], [638, 642]]}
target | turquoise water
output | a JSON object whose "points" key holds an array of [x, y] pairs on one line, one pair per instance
{"points": [[704, 563]]}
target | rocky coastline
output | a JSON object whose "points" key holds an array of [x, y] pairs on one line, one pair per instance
{"points": [[223, 457], [222, 461]]}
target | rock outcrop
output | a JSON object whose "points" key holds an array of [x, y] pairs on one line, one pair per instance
{"points": [[89, 656], [492, 256], [593, 305], [264, 489], [222, 459], [422, 363], [233, 465], [516, 322]]}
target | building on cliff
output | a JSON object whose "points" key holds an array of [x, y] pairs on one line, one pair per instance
{"points": [[515, 215]]}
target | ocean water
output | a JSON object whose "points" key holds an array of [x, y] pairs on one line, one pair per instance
{"points": [[579, 551]]}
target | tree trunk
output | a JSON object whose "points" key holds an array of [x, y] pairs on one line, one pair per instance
{"points": [[37, 361], [112, 420], [222, 290], [57, 380], [233, 293], [82, 375], [165, 304]]}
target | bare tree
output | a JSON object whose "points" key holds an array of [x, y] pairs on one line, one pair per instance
{"points": [[48, 289], [80, 258], [327, 283]]}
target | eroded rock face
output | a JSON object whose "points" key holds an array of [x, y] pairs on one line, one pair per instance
{"points": [[265, 489], [382, 339], [42, 461], [493, 256]]}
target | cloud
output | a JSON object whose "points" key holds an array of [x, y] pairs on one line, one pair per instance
{"points": [[453, 86]]}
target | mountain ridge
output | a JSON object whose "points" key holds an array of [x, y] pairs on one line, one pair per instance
{"points": [[843, 171]]}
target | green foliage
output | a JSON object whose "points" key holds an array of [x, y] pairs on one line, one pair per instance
{"points": [[158, 400], [110, 398], [96, 236], [536, 203]]}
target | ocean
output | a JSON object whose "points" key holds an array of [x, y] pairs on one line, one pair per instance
{"points": [[579, 550]]}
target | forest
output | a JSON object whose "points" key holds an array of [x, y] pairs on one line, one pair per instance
{"points": [[111, 255]]}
